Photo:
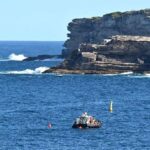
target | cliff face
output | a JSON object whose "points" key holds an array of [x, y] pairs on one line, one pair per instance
{"points": [[96, 29], [115, 43], [116, 55]]}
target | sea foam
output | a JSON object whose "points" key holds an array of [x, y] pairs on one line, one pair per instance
{"points": [[38, 70], [126, 73], [16, 57]]}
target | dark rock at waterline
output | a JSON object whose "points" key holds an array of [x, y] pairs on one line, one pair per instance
{"points": [[115, 43], [42, 57], [116, 55]]}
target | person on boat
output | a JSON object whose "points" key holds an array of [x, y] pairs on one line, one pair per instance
{"points": [[84, 115], [77, 120]]}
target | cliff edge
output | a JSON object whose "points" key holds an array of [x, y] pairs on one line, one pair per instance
{"points": [[115, 43], [117, 55]]}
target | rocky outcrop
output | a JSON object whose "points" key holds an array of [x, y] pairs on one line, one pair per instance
{"points": [[95, 30], [42, 57], [116, 55], [115, 43]]}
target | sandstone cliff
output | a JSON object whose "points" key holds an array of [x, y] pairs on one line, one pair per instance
{"points": [[115, 43], [96, 29], [116, 55]]}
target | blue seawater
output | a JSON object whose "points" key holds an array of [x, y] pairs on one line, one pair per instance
{"points": [[30, 101], [29, 48]]}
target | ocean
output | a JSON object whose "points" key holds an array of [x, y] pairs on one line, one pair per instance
{"points": [[30, 101]]}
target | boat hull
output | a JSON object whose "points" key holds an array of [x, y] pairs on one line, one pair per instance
{"points": [[87, 125]]}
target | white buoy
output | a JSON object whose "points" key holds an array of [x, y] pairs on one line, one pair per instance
{"points": [[111, 106], [49, 125]]}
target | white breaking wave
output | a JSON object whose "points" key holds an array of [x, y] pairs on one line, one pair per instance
{"points": [[126, 73], [148, 75], [109, 74], [38, 70], [116, 74], [140, 76], [21, 57], [16, 57], [129, 74]]}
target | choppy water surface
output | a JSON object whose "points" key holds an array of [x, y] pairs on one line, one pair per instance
{"points": [[30, 100]]}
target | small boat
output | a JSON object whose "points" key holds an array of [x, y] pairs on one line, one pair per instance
{"points": [[86, 121]]}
